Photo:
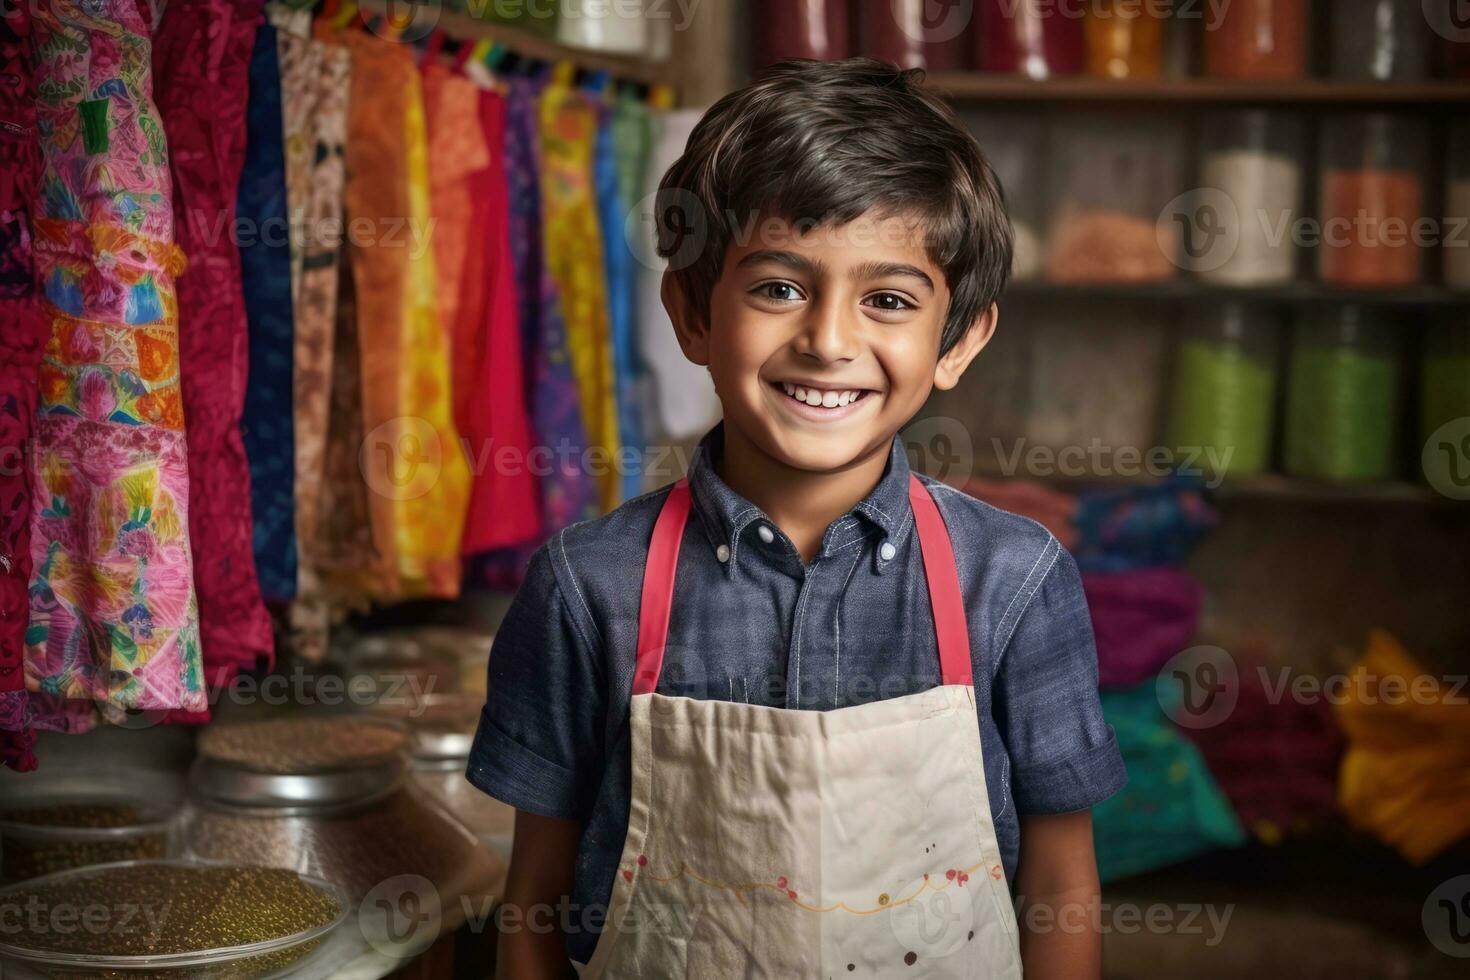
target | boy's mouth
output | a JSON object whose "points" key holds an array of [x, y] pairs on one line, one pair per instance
{"points": [[824, 404]]}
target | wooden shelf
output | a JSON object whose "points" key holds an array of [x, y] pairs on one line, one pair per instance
{"points": [[1293, 489], [532, 45], [1185, 288], [980, 86]]}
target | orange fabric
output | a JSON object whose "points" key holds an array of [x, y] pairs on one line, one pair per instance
{"points": [[1406, 775]]}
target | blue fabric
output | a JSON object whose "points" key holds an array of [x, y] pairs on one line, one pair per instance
{"points": [[763, 628], [1126, 528], [621, 274], [265, 273]]}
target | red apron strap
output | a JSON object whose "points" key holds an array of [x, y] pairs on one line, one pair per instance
{"points": [[658, 588], [939, 570], [944, 587]]}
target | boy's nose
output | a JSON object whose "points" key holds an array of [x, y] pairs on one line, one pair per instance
{"points": [[828, 333]]}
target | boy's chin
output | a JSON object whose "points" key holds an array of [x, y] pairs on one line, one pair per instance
{"points": [[819, 451]]}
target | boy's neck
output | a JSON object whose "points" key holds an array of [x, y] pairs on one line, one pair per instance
{"points": [[802, 503]]}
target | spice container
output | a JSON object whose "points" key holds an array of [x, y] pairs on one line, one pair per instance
{"points": [[614, 28], [400, 664], [52, 822], [1125, 39], [906, 33], [171, 920], [351, 822], [1342, 397], [1456, 241], [1445, 381], [799, 29], [1380, 40], [1224, 394], [1253, 158], [1013, 143], [1260, 39], [1035, 38], [1111, 180], [1095, 387], [1372, 198]]}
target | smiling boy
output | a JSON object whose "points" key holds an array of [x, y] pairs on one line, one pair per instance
{"points": [[805, 713]]}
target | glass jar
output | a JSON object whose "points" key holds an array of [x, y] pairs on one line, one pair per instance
{"points": [[1013, 142], [595, 25], [1111, 180], [1035, 38], [784, 29], [1372, 199], [1380, 40], [1343, 396], [1456, 239], [906, 33], [1253, 159], [1125, 39], [1445, 380], [1224, 398], [1451, 27], [1262, 39]]}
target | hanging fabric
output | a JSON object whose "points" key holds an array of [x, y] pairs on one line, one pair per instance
{"points": [[265, 260], [201, 64], [573, 252], [113, 615], [23, 331]]}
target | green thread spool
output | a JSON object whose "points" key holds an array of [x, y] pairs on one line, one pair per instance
{"points": [[1343, 398], [1225, 391]]}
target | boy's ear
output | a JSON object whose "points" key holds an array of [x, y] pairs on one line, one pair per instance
{"points": [[952, 365], [688, 326]]}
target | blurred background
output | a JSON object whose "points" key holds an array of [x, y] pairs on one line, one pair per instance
{"points": [[1232, 375]]}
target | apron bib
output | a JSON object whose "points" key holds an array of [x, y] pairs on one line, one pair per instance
{"points": [[771, 842]]}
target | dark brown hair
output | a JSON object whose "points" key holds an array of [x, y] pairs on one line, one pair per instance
{"points": [[826, 142]]}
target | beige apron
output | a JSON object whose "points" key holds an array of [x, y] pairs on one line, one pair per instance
{"points": [[766, 842]]}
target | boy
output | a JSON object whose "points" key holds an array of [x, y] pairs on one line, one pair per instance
{"points": [[804, 714]]}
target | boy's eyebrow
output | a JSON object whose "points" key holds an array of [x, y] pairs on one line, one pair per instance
{"points": [[867, 270]]}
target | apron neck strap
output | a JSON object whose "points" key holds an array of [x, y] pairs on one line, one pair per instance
{"points": [[945, 598]]}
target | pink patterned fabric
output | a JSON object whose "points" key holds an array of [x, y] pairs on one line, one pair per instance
{"points": [[22, 332], [201, 58], [114, 622], [1141, 619]]}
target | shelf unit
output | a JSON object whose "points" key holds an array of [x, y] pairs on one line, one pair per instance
{"points": [[967, 86]]}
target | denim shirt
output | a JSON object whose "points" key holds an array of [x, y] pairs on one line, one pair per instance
{"points": [[752, 623]]}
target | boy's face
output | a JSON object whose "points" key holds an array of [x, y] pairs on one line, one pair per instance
{"points": [[824, 342]]}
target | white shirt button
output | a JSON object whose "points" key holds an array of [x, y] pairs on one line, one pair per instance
{"points": [[886, 551], [723, 553], [767, 535]]}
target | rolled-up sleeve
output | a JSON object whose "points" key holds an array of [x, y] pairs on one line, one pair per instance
{"points": [[1064, 756], [539, 743]]}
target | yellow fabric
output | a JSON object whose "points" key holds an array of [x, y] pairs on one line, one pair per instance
{"points": [[573, 248], [429, 523], [1406, 774]]}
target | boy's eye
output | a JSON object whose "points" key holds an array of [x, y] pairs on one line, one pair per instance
{"points": [[781, 292], [890, 302]]}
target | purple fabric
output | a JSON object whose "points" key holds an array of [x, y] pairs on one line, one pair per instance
{"points": [[1140, 620]]}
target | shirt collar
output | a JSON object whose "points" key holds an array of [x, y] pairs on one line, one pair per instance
{"points": [[726, 515]]}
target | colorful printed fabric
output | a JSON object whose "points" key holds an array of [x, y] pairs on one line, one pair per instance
{"points": [[113, 613], [315, 305], [429, 523], [573, 250], [1406, 775], [1135, 527], [201, 61], [265, 269], [1171, 808], [503, 509], [567, 492], [620, 270], [22, 334]]}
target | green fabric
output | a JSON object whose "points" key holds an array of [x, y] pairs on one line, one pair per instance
{"points": [[632, 144], [1171, 808], [95, 137]]}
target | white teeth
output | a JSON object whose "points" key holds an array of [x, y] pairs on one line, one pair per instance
{"points": [[820, 399], [829, 399], [790, 389], [844, 398], [814, 397]]}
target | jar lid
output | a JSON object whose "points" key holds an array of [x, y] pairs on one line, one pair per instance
{"points": [[440, 726]]}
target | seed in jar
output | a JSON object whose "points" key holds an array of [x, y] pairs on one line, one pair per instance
{"points": [[298, 745]]}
